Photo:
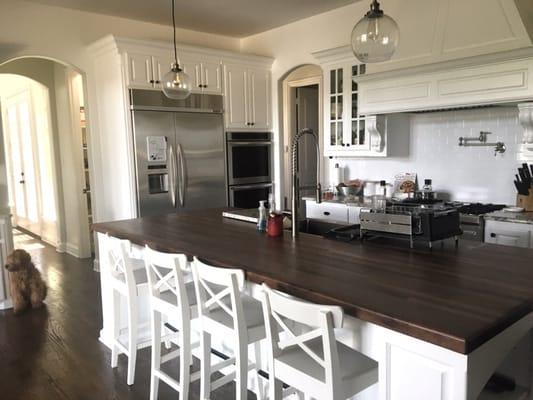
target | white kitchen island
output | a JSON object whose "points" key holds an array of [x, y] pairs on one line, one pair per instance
{"points": [[438, 322]]}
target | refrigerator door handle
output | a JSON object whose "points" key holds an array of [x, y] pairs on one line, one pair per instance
{"points": [[172, 174], [182, 179]]}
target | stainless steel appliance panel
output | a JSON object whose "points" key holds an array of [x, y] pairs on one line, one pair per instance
{"points": [[154, 178], [248, 196], [200, 159], [249, 157]]}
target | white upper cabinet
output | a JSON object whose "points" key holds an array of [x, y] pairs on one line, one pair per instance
{"points": [[259, 82], [145, 71], [211, 73], [139, 72], [160, 66], [348, 132], [247, 93], [206, 76], [236, 101]]}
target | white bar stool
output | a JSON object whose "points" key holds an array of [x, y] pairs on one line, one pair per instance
{"points": [[172, 298], [224, 311], [127, 276], [314, 362]]}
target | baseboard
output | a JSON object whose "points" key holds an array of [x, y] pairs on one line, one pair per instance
{"points": [[51, 242], [73, 250], [61, 247], [6, 304]]}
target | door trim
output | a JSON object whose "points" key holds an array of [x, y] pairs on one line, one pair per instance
{"points": [[289, 92]]}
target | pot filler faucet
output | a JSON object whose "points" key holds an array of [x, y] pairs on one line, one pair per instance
{"points": [[296, 179]]}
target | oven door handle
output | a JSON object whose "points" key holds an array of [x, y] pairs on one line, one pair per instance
{"points": [[256, 143], [246, 187]]}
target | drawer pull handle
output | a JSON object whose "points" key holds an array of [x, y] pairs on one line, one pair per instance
{"points": [[326, 212]]}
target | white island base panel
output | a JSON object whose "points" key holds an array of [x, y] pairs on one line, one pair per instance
{"points": [[409, 368]]}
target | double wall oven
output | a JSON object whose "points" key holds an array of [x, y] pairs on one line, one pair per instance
{"points": [[249, 168]]}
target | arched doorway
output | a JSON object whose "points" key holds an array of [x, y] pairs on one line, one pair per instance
{"points": [[60, 205], [302, 107]]}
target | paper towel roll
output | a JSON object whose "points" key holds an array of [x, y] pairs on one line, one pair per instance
{"points": [[336, 175]]}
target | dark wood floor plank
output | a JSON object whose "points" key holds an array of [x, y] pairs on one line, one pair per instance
{"points": [[54, 354]]}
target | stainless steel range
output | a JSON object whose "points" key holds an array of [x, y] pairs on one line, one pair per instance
{"points": [[425, 223], [471, 217]]}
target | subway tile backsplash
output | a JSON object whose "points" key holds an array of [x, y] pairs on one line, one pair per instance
{"points": [[458, 173]]}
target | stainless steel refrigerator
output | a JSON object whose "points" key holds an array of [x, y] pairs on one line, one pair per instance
{"points": [[179, 152]]}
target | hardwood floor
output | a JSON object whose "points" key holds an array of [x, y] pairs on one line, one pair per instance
{"points": [[54, 352]]}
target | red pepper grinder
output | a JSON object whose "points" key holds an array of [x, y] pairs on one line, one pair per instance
{"points": [[275, 225]]}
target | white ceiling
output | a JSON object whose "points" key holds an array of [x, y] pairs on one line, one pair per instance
{"points": [[238, 18]]}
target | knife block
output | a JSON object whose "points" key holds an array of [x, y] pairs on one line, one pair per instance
{"points": [[526, 202]]}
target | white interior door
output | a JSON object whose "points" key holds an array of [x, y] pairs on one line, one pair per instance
{"points": [[22, 163]]}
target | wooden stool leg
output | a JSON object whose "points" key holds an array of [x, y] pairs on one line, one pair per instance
{"points": [[156, 354], [116, 328], [132, 338], [205, 367]]}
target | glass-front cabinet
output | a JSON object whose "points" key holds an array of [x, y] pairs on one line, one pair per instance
{"points": [[346, 132]]}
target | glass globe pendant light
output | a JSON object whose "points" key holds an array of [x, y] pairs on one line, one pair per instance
{"points": [[176, 84], [375, 37]]}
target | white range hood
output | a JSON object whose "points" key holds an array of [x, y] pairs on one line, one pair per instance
{"points": [[499, 78], [462, 53]]}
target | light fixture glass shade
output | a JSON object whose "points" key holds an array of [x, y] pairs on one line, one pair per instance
{"points": [[176, 84], [375, 38]]}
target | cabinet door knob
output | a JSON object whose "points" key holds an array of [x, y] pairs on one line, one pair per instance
{"points": [[158, 82], [492, 235], [327, 213], [253, 123], [151, 81]]}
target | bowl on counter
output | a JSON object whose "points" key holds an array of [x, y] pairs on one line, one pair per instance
{"points": [[351, 191]]}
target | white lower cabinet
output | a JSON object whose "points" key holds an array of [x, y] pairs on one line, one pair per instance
{"points": [[333, 212], [327, 211], [509, 233]]}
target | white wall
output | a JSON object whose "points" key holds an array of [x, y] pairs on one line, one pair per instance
{"points": [[4, 190], [449, 29], [29, 29], [461, 173], [69, 139]]}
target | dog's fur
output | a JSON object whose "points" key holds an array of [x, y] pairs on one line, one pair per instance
{"points": [[27, 286]]}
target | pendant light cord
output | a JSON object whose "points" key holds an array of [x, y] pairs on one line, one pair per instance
{"points": [[174, 29]]}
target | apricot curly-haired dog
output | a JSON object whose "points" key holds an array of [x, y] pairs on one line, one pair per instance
{"points": [[27, 286]]}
